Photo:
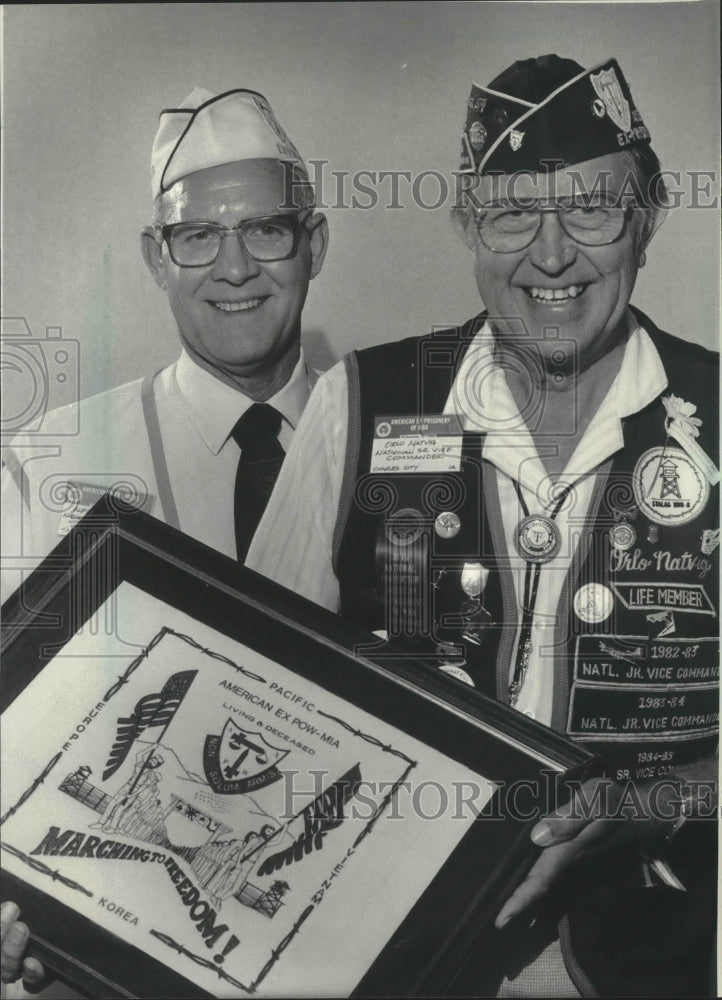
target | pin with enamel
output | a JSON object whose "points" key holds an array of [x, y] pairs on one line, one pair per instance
{"points": [[477, 136], [477, 103], [447, 524], [515, 139], [537, 538], [709, 541], [653, 534]]}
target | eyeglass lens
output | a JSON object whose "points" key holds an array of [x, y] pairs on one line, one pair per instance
{"points": [[195, 244], [509, 229]]}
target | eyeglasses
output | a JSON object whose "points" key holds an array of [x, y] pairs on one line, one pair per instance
{"points": [[197, 244], [510, 228]]}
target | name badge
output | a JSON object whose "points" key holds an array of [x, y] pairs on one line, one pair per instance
{"points": [[417, 444]]}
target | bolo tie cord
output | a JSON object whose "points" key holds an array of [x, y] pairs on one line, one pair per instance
{"points": [[532, 573]]}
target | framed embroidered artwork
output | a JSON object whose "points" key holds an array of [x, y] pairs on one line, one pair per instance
{"points": [[208, 791]]}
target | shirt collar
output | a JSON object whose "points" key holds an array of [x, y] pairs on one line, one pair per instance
{"points": [[213, 407], [481, 397]]}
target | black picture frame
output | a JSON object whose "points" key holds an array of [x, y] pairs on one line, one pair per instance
{"points": [[452, 918]]}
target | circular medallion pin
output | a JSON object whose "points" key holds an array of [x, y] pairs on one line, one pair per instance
{"points": [[622, 536], [537, 538], [593, 603], [458, 672], [447, 524]]}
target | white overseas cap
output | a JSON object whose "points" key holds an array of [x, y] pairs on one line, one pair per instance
{"points": [[210, 129]]}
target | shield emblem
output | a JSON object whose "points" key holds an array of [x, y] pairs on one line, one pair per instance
{"points": [[240, 760], [710, 540], [609, 90], [515, 139]]}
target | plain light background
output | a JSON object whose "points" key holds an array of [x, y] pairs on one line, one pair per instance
{"points": [[364, 86]]}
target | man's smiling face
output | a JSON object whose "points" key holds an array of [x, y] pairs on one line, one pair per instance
{"points": [[556, 282], [239, 317]]}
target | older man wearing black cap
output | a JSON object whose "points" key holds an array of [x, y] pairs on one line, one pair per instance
{"points": [[557, 543], [234, 243]]}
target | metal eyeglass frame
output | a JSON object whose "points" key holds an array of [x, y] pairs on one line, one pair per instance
{"points": [[628, 210]]}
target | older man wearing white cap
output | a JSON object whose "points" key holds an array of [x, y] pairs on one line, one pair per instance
{"points": [[234, 242]]}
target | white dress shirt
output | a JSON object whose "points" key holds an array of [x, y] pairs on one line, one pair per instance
{"points": [[104, 441]]}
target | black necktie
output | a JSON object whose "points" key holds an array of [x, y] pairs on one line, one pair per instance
{"points": [[256, 434]]}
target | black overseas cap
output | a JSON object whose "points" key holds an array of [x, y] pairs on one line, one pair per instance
{"points": [[549, 109]]}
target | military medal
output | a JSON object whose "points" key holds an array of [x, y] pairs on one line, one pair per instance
{"points": [[537, 538], [622, 536], [476, 619]]}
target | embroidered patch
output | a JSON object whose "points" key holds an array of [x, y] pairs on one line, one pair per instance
{"points": [[609, 91], [664, 596], [670, 691], [668, 486]]}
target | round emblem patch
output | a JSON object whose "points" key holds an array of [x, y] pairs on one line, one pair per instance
{"points": [[447, 524], [668, 486], [622, 536], [537, 538], [383, 429], [593, 603], [477, 135]]}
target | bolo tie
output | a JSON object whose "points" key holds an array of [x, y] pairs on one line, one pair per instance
{"points": [[537, 540], [256, 434]]}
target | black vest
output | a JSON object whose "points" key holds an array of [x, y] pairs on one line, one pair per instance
{"points": [[639, 686]]}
